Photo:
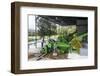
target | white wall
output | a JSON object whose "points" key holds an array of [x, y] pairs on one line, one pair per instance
{"points": [[5, 42]]}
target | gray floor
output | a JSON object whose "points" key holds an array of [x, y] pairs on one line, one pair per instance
{"points": [[83, 51]]}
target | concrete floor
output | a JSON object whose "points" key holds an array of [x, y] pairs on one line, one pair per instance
{"points": [[33, 49]]}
